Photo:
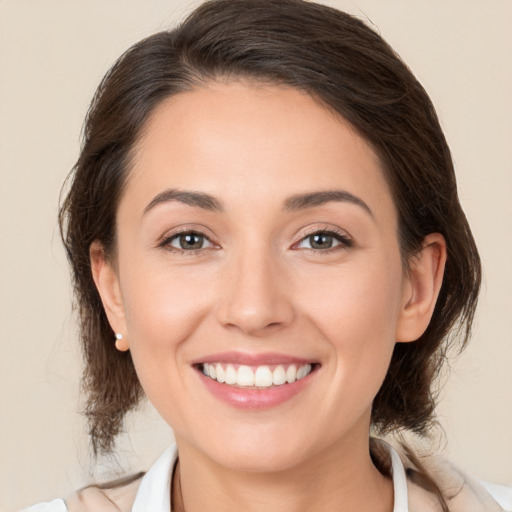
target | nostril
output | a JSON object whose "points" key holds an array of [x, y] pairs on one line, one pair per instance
{"points": [[255, 319]]}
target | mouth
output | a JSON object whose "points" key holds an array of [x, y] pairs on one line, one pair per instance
{"points": [[256, 377], [255, 382]]}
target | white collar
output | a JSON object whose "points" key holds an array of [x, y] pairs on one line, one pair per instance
{"points": [[399, 481], [155, 488]]}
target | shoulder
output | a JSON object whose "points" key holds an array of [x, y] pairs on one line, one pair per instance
{"points": [[462, 492], [116, 496], [49, 506], [142, 492]]}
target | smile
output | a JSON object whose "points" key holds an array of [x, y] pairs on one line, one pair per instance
{"points": [[261, 377], [256, 381]]}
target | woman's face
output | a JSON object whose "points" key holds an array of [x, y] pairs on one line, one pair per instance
{"points": [[257, 236]]}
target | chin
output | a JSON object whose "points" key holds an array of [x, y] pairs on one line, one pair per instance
{"points": [[255, 459], [258, 451]]}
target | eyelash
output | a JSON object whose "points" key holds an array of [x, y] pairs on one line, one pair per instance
{"points": [[343, 239], [345, 242], [166, 242]]}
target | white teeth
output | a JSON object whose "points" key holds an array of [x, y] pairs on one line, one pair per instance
{"points": [[220, 373], [245, 376], [263, 377], [279, 376], [230, 375], [260, 377], [303, 371], [291, 374]]}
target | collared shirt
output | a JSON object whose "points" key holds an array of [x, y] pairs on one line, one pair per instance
{"points": [[152, 492]]}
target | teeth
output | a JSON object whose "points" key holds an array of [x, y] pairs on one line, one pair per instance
{"points": [[303, 371], [230, 375], [263, 377], [291, 374], [260, 377], [245, 376], [279, 376], [220, 373]]}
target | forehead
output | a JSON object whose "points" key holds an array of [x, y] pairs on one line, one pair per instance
{"points": [[252, 141]]}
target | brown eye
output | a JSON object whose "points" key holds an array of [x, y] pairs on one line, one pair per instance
{"points": [[189, 241]]}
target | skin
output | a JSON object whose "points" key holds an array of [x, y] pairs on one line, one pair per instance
{"points": [[257, 286]]}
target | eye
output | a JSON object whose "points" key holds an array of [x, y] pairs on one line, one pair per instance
{"points": [[188, 241], [324, 240]]}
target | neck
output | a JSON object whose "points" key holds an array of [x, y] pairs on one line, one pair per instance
{"points": [[343, 479]]}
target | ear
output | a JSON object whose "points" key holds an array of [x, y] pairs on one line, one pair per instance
{"points": [[421, 288], [107, 282]]}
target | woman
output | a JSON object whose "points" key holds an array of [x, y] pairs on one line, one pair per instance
{"points": [[266, 240]]}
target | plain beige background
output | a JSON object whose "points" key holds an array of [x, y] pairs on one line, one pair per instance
{"points": [[53, 54]]}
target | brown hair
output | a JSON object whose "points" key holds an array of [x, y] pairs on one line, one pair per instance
{"points": [[351, 70]]}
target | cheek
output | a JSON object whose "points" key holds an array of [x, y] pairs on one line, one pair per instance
{"points": [[359, 298], [162, 308], [357, 310]]}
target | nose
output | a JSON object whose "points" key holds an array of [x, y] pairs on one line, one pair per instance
{"points": [[255, 297]]}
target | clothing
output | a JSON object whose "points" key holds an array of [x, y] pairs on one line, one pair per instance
{"points": [[151, 493]]}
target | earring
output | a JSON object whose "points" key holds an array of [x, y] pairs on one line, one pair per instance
{"points": [[121, 345]]}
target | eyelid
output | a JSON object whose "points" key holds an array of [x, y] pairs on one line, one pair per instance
{"points": [[165, 241], [344, 239], [340, 235], [177, 238]]}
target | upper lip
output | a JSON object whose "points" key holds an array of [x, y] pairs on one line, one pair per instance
{"points": [[241, 358]]}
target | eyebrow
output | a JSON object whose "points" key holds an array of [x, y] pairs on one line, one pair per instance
{"points": [[199, 199], [309, 200], [293, 203]]}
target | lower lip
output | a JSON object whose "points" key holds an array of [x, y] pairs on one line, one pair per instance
{"points": [[248, 398]]}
